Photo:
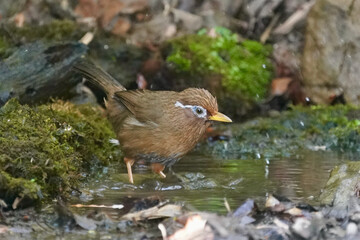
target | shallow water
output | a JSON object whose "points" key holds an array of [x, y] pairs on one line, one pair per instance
{"points": [[202, 182]]}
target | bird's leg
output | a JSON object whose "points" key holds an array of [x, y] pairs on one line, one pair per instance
{"points": [[129, 162], [158, 168]]}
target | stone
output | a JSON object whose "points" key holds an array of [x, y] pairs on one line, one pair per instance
{"points": [[341, 191], [332, 51]]}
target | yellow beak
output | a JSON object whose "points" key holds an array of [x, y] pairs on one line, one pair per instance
{"points": [[220, 117]]}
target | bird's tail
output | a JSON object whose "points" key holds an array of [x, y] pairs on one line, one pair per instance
{"points": [[99, 77]]}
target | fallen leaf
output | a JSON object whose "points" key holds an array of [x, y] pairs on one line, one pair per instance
{"points": [[19, 19], [3, 229], [3, 204], [294, 211], [194, 229], [84, 222], [87, 8], [109, 9], [159, 211], [121, 26], [271, 201], [280, 85]]}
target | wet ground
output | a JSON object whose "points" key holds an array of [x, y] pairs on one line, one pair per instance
{"points": [[202, 182], [198, 182]]}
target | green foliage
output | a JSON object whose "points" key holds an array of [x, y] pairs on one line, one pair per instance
{"points": [[245, 67], [48, 149], [334, 128]]}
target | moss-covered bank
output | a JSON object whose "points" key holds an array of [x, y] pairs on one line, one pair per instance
{"points": [[47, 150], [332, 128], [244, 66]]}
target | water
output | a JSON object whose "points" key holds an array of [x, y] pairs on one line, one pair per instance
{"points": [[202, 182]]}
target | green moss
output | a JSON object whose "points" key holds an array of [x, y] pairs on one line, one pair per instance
{"points": [[4, 47], [345, 172], [52, 146], [245, 66], [334, 128], [11, 188], [56, 30]]}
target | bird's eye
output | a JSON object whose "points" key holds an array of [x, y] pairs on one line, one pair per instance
{"points": [[199, 111]]}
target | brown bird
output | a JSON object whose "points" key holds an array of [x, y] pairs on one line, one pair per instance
{"points": [[158, 127]]}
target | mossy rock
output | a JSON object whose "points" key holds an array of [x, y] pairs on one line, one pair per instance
{"points": [[342, 190], [54, 31], [245, 66], [342, 184], [47, 150], [332, 128]]}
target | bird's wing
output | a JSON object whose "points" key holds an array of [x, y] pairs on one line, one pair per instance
{"points": [[144, 105]]}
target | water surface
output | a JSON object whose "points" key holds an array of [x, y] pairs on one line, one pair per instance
{"points": [[203, 182]]}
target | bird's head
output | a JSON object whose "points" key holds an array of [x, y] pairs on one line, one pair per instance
{"points": [[200, 106]]}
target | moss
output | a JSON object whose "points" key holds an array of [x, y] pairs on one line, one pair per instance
{"points": [[56, 30], [245, 66], [54, 146], [11, 188], [343, 176], [335, 128], [4, 47]]}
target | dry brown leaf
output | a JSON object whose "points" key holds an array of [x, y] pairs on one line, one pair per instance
{"points": [[280, 85], [19, 19], [194, 229], [121, 26], [87, 8], [109, 9]]}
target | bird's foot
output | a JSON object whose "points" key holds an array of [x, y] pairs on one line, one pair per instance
{"points": [[129, 162], [158, 168]]}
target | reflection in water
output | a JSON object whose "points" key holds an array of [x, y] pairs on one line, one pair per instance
{"points": [[203, 182]]}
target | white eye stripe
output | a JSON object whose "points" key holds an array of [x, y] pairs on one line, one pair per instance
{"points": [[179, 104], [197, 110]]}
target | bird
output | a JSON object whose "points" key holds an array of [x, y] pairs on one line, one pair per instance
{"points": [[157, 127]]}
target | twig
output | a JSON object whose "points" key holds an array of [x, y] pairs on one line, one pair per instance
{"points": [[269, 28], [296, 17], [227, 206], [87, 38]]}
